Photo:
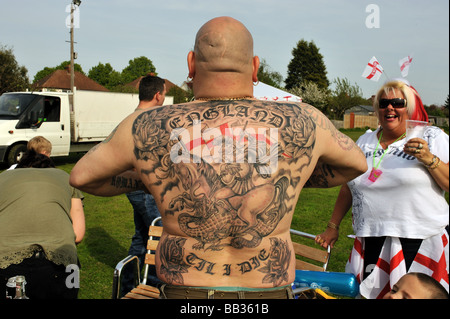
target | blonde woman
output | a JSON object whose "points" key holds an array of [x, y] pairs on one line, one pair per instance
{"points": [[399, 210]]}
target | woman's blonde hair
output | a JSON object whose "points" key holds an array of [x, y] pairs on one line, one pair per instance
{"points": [[408, 93]]}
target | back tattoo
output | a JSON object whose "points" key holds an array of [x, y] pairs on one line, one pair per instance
{"points": [[234, 167]]}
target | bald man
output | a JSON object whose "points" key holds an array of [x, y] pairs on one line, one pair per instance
{"points": [[226, 171]]}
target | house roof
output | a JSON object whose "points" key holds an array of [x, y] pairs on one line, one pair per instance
{"points": [[360, 108], [135, 84], [60, 79]]}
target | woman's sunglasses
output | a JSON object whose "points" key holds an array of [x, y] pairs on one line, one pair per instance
{"points": [[396, 103]]}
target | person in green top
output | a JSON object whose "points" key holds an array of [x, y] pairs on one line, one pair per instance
{"points": [[39, 228]]}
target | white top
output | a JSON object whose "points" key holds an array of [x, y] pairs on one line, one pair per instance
{"points": [[404, 201]]}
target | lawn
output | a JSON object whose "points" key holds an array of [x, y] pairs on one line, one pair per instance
{"points": [[110, 226]]}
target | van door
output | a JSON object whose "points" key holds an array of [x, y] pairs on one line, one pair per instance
{"points": [[44, 119]]}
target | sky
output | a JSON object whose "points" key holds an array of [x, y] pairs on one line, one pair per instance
{"points": [[348, 34]]}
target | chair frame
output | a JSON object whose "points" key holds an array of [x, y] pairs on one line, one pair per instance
{"points": [[154, 231], [317, 254]]}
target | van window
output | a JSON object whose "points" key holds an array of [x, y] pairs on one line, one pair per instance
{"points": [[43, 109], [13, 105]]}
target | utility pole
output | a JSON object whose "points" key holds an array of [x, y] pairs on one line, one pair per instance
{"points": [[72, 52], [72, 72]]}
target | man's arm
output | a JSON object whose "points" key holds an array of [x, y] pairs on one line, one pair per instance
{"points": [[126, 182], [340, 159], [106, 170]]}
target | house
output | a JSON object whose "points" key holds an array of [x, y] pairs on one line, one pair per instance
{"points": [[438, 120], [60, 80], [360, 116], [361, 110], [135, 84]]}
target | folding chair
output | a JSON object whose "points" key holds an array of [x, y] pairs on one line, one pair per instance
{"points": [[306, 252], [141, 290], [304, 255]]}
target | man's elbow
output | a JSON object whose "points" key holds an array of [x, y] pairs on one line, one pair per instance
{"points": [[76, 179]]}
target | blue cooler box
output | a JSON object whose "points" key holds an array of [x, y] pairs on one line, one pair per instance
{"points": [[338, 283]]}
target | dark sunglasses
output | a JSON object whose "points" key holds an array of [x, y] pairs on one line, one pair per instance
{"points": [[396, 103]]}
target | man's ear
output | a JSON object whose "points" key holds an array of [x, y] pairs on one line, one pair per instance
{"points": [[255, 68], [157, 97], [191, 64]]}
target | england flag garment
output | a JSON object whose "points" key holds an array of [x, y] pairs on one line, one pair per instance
{"points": [[432, 259]]}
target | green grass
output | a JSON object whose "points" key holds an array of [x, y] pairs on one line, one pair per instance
{"points": [[312, 214], [110, 226]]}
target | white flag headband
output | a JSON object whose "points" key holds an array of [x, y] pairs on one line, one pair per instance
{"points": [[374, 69], [404, 65]]}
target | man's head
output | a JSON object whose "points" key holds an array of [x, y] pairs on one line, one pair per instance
{"points": [[223, 53], [152, 88]]}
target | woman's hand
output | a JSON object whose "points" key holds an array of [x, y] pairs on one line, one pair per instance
{"points": [[418, 148], [327, 238]]}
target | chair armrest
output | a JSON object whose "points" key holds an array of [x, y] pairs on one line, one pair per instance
{"points": [[118, 272]]}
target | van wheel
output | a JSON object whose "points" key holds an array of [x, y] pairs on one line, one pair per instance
{"points": [[15, 153]]}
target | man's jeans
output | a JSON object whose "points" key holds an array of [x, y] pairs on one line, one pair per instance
{"points": [[145, 211]]}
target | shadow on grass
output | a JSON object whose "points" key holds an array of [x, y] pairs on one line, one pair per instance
{"points": [[104, 248]]}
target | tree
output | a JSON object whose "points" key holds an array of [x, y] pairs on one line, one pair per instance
{"points": [[105, 75], [312, 94], [306, 65], [266, 75], [445, 107], [343, 97], [180, 95], [136, 68], [47, 70], [435, 110], [13, 77]]}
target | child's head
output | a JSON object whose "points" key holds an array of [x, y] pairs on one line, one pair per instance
{"points": [[417, 286], [40, 145]]}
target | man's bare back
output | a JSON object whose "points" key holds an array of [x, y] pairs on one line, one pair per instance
{"points": [[227, 176], [226, 171]]}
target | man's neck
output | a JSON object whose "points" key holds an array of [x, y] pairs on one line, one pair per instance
{"points": [[222, 87], [146, 104]]}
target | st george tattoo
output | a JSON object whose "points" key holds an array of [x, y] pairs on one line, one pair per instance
{"points": [[226, 179]]}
